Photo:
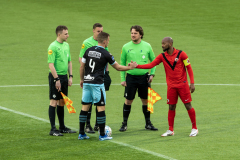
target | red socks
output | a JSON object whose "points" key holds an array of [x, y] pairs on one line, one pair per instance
{"points": [[171, 116], [192, 116]]}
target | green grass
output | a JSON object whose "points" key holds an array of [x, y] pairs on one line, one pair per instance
{"points": [[206, 30]]}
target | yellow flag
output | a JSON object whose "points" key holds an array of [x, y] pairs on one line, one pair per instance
{"points": [[68, 103], [153, 97]]}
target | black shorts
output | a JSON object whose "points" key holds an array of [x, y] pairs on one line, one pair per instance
{"points": [[107, 80], [135, 83], [53, 92]]}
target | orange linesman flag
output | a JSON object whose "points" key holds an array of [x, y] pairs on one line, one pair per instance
{"points": [[153, 97], [68, 103]]}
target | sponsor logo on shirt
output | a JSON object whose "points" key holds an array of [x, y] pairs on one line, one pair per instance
{"points": [[143, 57], [94, 54], [88, 78], [129, 50], [50, 52]]}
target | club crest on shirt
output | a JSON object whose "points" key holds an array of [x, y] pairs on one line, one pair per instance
{"points": [[83, 46], [50, 52], [176, 59]]}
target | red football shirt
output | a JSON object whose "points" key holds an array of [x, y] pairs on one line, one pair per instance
{"points": [[175, 73]]}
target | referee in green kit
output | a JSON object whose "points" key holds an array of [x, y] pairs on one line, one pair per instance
{"points": [[136, 79], [59, 60]]}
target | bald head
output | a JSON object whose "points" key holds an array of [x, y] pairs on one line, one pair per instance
{"points": [[168, 40], [167, 43]]}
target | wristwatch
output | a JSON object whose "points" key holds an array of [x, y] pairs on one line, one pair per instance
{"points": [[56, 79], [70, 76]]}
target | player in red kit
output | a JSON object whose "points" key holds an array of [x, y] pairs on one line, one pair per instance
{"points": [[175, 63]]}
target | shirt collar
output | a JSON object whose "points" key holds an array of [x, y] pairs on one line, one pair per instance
{"points": [[101, 47]]}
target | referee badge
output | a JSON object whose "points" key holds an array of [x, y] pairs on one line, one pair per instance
{"points": [[83, 46], [50, 52]]}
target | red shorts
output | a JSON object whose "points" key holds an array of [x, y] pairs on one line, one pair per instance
{"points": [[182, 91]]}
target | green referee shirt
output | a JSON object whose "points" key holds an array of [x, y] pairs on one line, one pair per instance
{"points": [[140, 53], [87, 44], [59, 55]]}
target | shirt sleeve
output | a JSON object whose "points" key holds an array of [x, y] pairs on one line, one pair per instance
{"points": [[190, 73], [186, 62], [151, 58], [69, 57], [110, 58], [123, 63], [51, 54], [85, 46], [155, 62], [185, 59]]}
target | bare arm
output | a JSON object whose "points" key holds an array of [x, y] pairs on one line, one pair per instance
{"points": [[54, 73], [70, 73], [82, 74], [119, 67]]}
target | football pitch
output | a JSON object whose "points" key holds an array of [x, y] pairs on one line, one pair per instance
{"points": [[208, 31]]}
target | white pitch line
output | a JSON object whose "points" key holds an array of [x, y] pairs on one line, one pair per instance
{"points": [[24, 114], [116, 142], [41, 85]]}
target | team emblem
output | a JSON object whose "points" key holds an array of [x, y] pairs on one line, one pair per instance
{"points": [[83, 46], [50, 52], [188, 61], [176, 59]]}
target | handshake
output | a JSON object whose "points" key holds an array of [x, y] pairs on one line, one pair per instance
{"points": [[132, 65]]}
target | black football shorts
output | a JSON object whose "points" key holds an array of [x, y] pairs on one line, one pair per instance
{"points": [[53, 92], [107, 80], [136, 83]]}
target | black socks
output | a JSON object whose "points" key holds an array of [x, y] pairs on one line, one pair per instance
{"points": [[82, 120], [126, 112], [101, 120], [51, 113], [146, 113]]}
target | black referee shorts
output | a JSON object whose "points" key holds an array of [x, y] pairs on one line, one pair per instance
{"points": [[107, 80], [136, 83], [53, 92]]}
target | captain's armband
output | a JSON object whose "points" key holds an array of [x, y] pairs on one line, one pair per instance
{"points": [[186, 62]]}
